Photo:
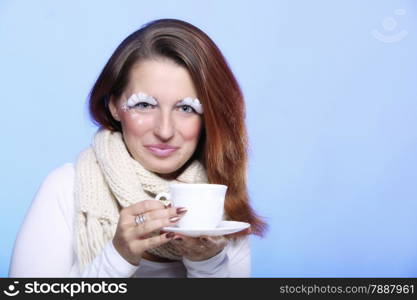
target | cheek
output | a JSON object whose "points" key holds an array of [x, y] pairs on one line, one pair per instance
{"points": [[137, 125], [191, 130]]}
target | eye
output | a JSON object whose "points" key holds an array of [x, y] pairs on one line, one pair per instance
{"points": [[143, 105], [187, 108]]}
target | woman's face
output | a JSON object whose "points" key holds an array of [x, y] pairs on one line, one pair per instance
{"points": [[158, 119]]}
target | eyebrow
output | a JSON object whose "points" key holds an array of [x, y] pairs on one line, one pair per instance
{"points": [[178, 101]]}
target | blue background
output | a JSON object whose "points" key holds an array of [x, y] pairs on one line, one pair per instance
{"points": [[331, 114]]}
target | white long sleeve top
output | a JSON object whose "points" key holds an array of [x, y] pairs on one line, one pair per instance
{"points": [[44, 246]]}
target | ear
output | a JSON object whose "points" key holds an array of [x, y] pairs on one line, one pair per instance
{"points": [[113, 109]]}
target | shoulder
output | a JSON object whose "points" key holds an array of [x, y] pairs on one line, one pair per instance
{"points": [[58, 185], [56, 193], [64, 171], [62, 176], [53, 199]]}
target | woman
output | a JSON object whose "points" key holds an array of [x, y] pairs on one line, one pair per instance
{"points": [[169, 110]]}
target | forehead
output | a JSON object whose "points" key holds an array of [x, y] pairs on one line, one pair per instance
{"points": [[162, 79]]}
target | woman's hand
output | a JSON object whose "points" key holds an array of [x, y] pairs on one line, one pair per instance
{"points": [[131, 240], [200, 248]]}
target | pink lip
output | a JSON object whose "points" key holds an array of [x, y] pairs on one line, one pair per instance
{"points": [[162, 150]]}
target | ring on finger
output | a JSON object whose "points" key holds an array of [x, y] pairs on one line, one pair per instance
{"points": [[139, 219]]}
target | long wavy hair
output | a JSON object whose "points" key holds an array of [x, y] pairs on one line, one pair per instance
{"points": [[222, 147]]}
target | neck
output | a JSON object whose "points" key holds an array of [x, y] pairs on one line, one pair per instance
{"points": [[170, 176], [174, 175]]}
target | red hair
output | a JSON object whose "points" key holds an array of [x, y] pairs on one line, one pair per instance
{"points": [[223, 145]]}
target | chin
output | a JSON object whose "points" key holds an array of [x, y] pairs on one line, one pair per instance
{"points": [[164, 170]]}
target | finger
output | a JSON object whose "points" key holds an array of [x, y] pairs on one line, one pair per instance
{"points": [[214, 241], [170, 213], [182, 251], [188, 243], [142, 207], [211, 239], [177, 243], [154, 225], [205, 240], [165, 213], [195, 249], [154, 241]]}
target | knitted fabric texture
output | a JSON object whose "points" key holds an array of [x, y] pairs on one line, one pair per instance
{"points": [[107, 179]]}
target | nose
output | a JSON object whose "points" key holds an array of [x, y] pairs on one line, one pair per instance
{"points": [[164, 127]]}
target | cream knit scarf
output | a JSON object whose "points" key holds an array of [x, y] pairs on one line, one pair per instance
{"points": [[107, 179]]}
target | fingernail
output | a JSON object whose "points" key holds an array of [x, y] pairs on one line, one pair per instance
{"points": [[178, 239], [174, 219], [169, 235], [181, 210]]}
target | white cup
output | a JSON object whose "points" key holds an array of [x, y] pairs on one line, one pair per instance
{"points": [[204, 204]]}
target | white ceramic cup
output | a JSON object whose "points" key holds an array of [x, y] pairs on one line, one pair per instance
{"points": [[204, 204]]}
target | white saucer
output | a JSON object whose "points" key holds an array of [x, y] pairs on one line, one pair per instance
{"points": [[225, 227]]}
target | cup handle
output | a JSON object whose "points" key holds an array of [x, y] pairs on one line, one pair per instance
{"points": [[167, 196]]}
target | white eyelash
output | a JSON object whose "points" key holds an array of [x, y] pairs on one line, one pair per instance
{"points": [[139, 97], [135, 99], [194, 103]]}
